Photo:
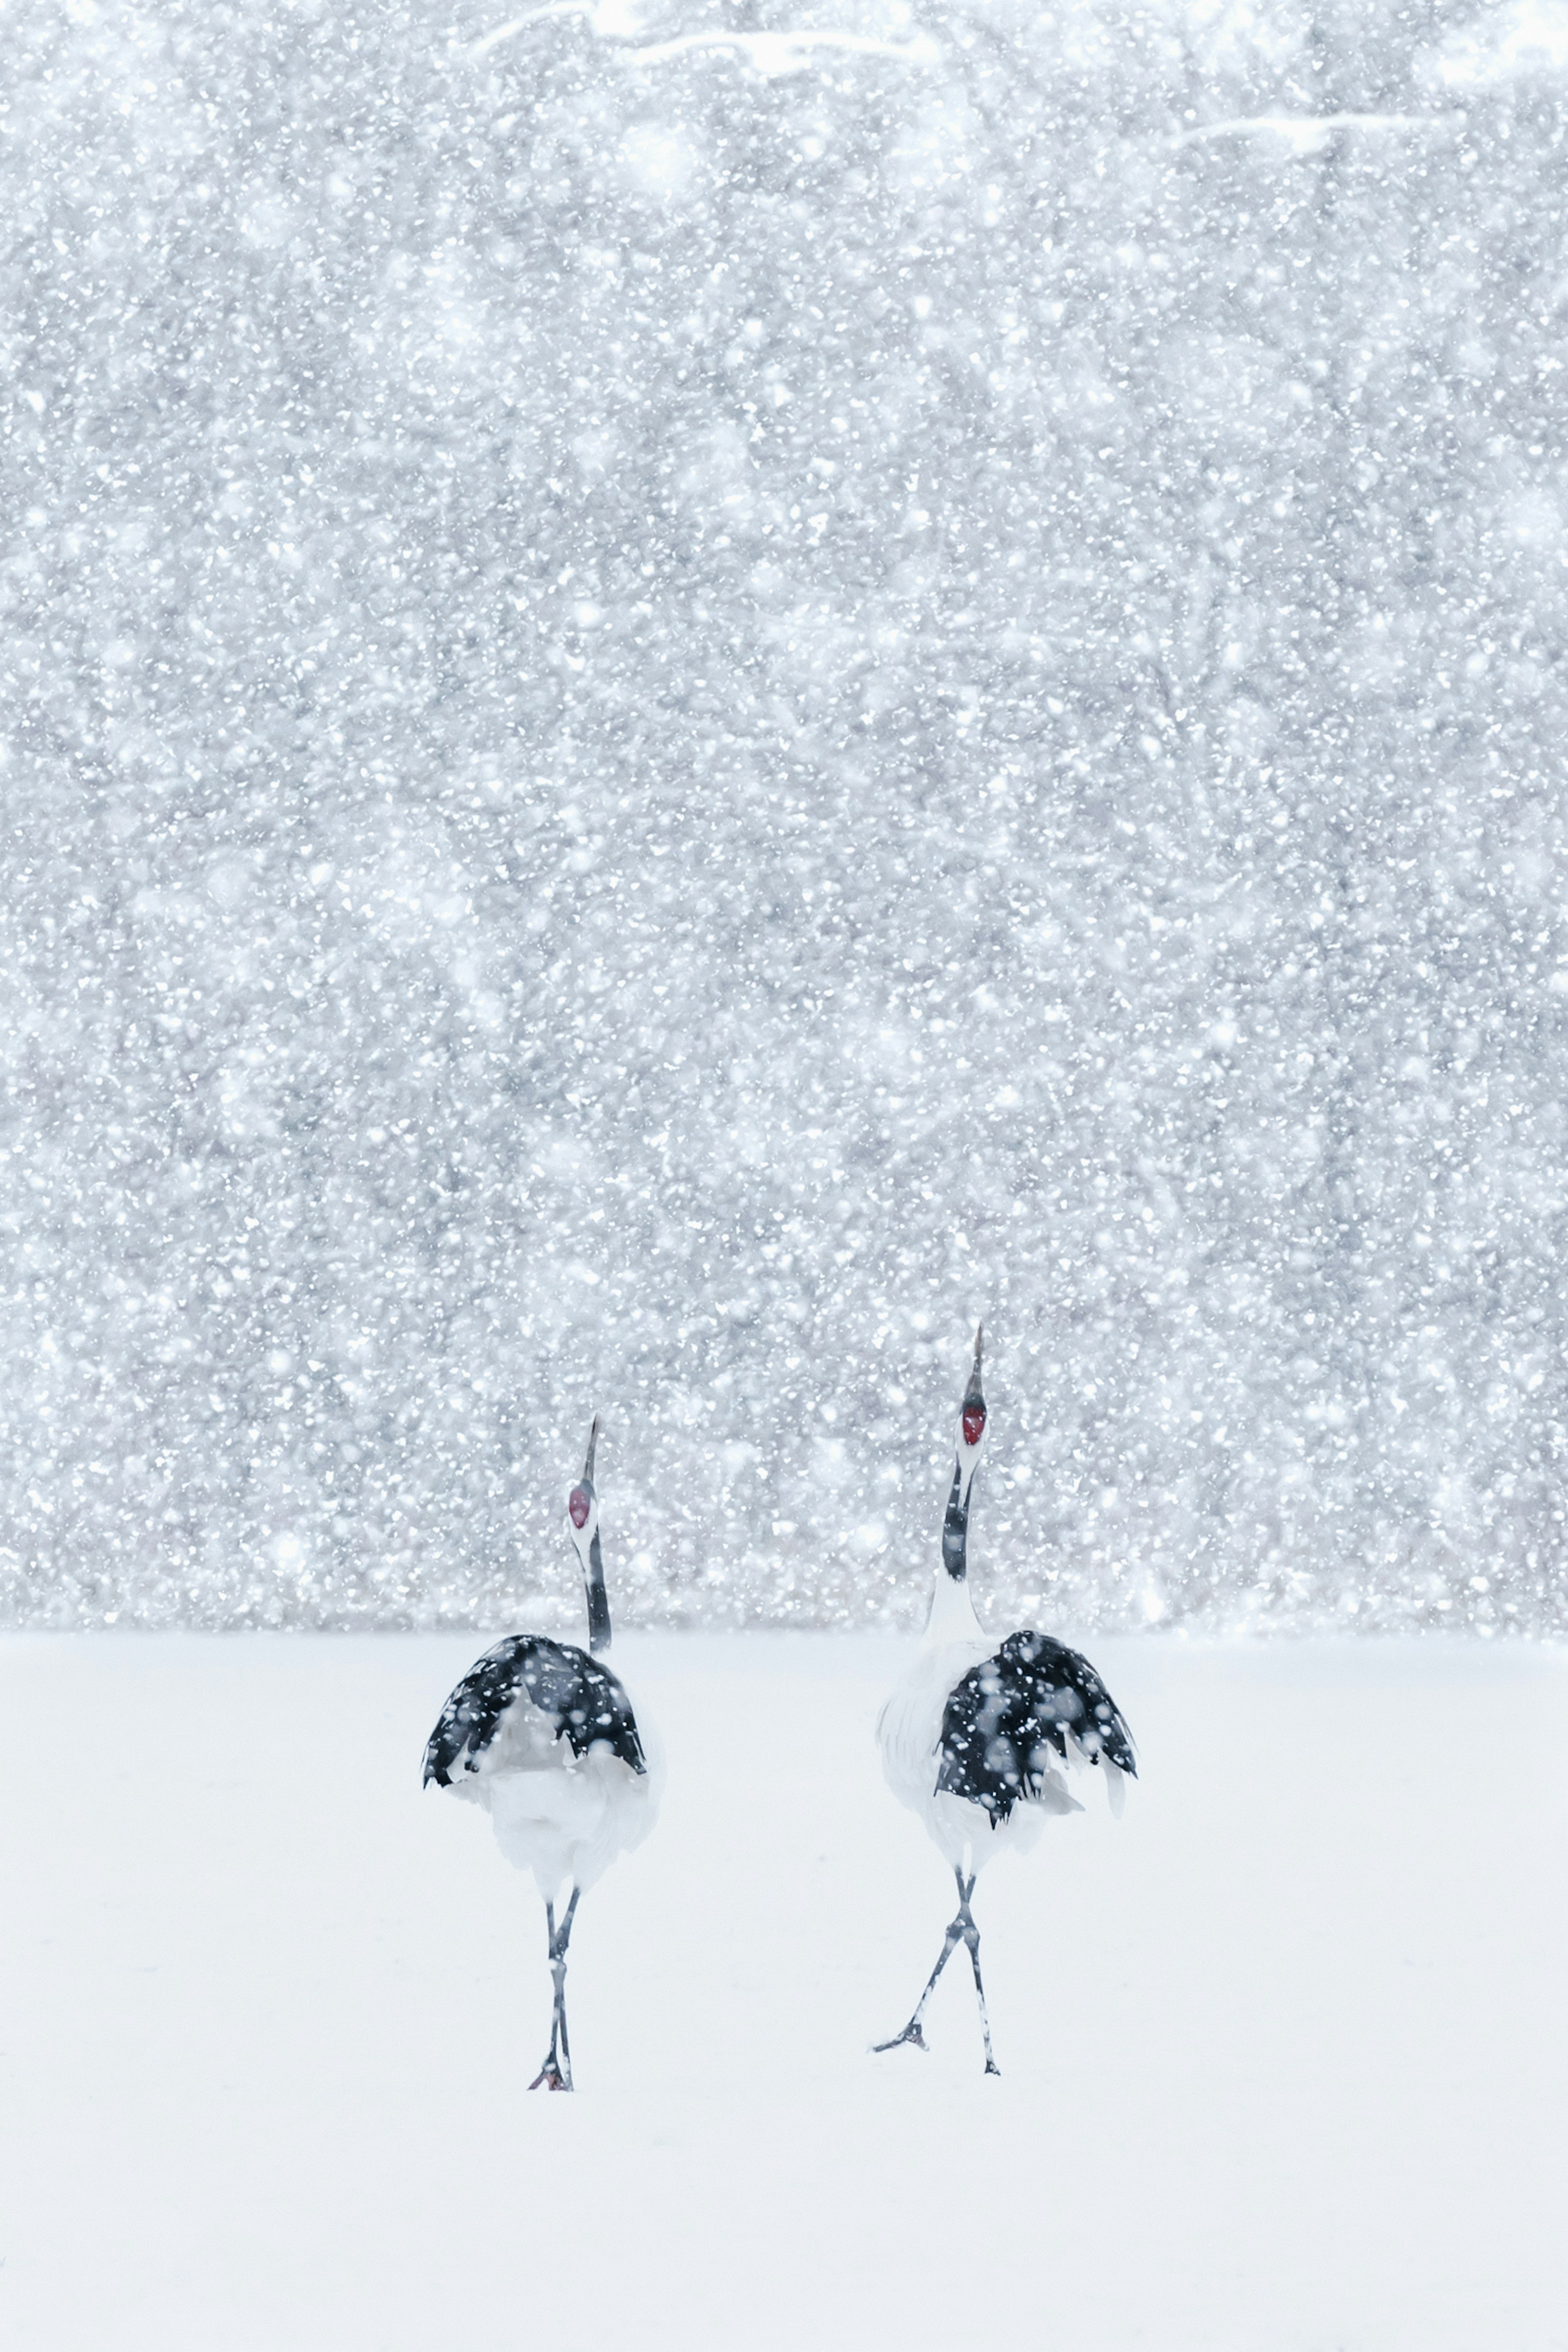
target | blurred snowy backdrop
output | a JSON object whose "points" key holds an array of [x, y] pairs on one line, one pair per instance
{"points": [[689, 693]]}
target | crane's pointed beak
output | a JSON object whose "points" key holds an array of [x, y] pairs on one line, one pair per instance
{"points": [[973, 1394], [587, 1479]]}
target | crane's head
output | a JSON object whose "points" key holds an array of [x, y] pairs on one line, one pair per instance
{"points": [[583, 1503], [971, 1421], [582, 1527]]}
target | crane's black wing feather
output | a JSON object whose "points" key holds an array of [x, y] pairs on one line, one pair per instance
{"points": [[583, 1700], [1014, 1712]]}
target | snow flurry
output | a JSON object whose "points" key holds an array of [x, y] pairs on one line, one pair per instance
{"points": [[687, 696]]}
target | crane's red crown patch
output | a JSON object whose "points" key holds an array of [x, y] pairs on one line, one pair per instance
{"points": [[579, 1503], [973, 1423]]}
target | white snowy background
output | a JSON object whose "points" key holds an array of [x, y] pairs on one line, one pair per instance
{"points": [[689, 693]]}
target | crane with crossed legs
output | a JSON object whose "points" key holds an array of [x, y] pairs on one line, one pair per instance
{"points": [[543, 1736], [978, 1735]]}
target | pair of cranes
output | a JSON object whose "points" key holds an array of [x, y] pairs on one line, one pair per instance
{"points": [[975, 1739]]}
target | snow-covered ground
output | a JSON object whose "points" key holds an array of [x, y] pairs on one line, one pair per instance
{"points": [[1283, 2067]]}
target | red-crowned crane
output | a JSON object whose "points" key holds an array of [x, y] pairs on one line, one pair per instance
{"points": [[975, 1735], [543, 1736]]}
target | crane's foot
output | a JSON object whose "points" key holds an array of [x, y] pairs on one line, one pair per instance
{"points": [[993, 2068], [550, 2077], [911, 2034]]}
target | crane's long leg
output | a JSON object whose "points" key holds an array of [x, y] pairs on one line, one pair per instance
{"points": [[556, 2072], [971, 1937], [963, 1927]]}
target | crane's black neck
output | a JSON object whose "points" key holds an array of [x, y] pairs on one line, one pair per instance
{"points": [[598, 1599], [955, 1528]]}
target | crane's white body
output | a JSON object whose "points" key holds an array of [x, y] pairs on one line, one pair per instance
{"points": [[909, 1731], [564, 1817]]}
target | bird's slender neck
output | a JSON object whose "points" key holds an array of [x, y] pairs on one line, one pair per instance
{"points": [[598, 1599], [955, 1525], [952, 1616]]}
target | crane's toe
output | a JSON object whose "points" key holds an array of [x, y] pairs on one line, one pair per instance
{"points": [[911, 2034], [550, 2077]]}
